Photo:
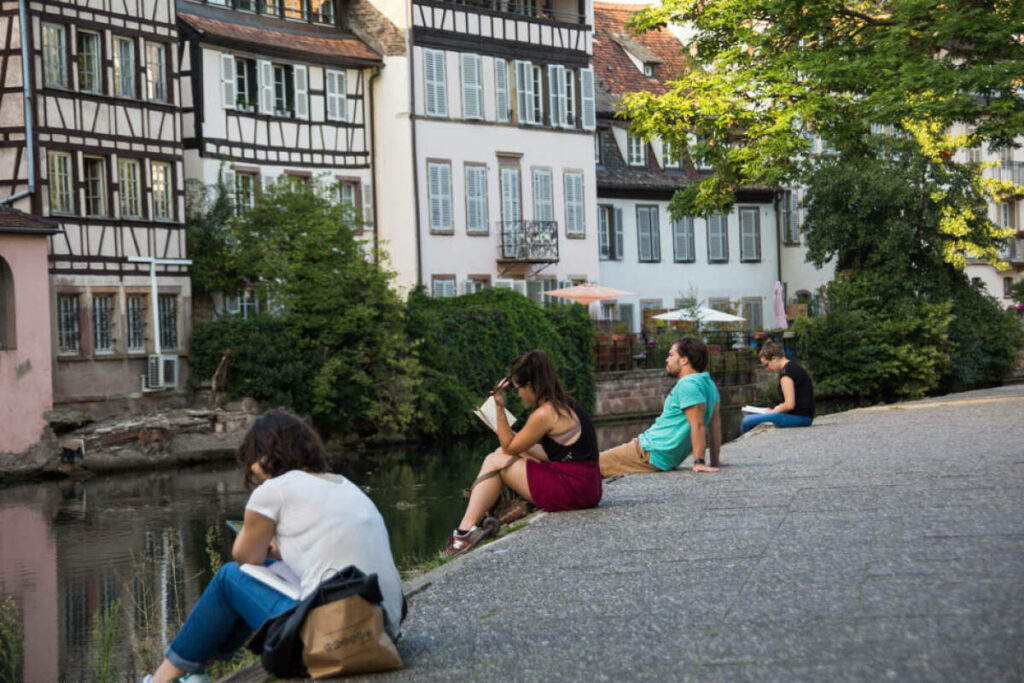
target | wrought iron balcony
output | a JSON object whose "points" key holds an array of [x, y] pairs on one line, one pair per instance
{"points": [[528, 241]]}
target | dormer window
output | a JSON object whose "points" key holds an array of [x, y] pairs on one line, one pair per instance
{"points": [[649, 70]]}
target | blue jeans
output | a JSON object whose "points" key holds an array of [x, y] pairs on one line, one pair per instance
{"points": [[778, 419], [229, 610]]}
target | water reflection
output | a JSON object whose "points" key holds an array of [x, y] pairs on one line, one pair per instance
{"points": [[146, 542]]}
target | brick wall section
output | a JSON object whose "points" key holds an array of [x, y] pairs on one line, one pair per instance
{"points": [[373, 28], [641, 393]]}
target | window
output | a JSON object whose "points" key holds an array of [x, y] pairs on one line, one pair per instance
{"points": [[323, 11], [538, 96], [607, 310], [637, 151], [136, 321], [156, 72], [557, 95], [439, 193], [245, 191], [649, 70], [239, 80], [270, 6], [95, 186], [68, 326], [501, 91], [683, 240], [168, 305], [671, 155], [752, 311], [536, 289], [789, 215], [90, 77], [1007, 287], [570, 99], [59, 165], [476, 198], [524, 92], [1008, 215], [472, 90], [55, 56], [750, 234], [435, 88], [543, 204], [103, 323], [575, 224], [718, 239], [610, 235], [588, 109], [625, 313], [295, 9], [598, 138], [124, 67], [348, 195], [511, 213], [648, 239], [974, 155], [337, 96], [282, 91], [161, 184], [128, 176], [442, 286]]}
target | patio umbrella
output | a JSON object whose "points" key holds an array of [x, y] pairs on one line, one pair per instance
{"points": [[587, 293], [780, 307], [706, 315]]}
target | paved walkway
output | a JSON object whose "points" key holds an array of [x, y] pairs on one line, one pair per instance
{"points": [[880, 544]]}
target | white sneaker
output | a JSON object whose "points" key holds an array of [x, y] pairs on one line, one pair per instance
{"points": [[187, 678]]}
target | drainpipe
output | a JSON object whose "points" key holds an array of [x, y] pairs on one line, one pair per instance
{"points": [[778, 238], [27, 87], [415, 162], [373, 174]]}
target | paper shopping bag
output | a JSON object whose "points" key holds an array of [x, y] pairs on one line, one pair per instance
{"points": [[347, 636]]}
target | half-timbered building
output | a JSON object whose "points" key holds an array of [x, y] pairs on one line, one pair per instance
{"points": [[276, 89], [91, 136], [502, 151]]}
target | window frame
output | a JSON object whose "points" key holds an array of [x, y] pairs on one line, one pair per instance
{"points": [[169, 312], [66, 187], [94, 70], [135, 322], [636, 151], [240, 204], [575, 206], [157, 76], [444, 199], [689, 236], [125, 76], [741, 213], [168, 201], [653, 233], [103, 323], [442, 280], [100, 195], [436, 83], [55, 57], [336, 94], [69, 324], [478, 198], [135, 196]]}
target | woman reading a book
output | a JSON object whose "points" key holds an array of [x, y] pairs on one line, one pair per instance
{"points": [[551, 461], [317, 523], [795, 389]]}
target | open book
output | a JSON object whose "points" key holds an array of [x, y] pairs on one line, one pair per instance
{"points": [[488, 412], [754, 410], [278, 576]]}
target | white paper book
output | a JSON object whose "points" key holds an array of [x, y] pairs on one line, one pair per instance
{"points": [[278, 576], [488, 412], [754, 410]]}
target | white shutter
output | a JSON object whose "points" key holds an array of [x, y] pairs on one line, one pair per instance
{"points": [[436, 87], [300, 78], [574, 224], [524, 91], [476, 199], [588, 110], [440, 197], [227, 81], [337, 96], [619, 236], [510, 213], [472, 102], [228, 176], [543, 204], [501, 90], [643, 229], [557, 96], [519, 286], [750, 239], [367, 191], [265, 81]]}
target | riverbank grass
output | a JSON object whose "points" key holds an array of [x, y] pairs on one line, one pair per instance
{"points": [[12, 642]]}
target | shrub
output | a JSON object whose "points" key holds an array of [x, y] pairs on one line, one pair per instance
{"points": [[986, 339]]}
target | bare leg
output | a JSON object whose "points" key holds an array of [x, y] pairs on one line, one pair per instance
{"points": [[485, 494], [167, 672]]}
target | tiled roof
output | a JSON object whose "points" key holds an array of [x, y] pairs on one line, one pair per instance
{"points": [[614, 174], [327, 48], [12, 220], [616, 73]]}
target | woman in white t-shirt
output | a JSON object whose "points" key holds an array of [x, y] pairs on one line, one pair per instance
{"points": [[316, 522]]}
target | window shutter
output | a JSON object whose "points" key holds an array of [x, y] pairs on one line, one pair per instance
{"points": [[524, 91], [472, 104], [655, 235], [588, 111], [434, 75], [227, 81], [643, 228], [300, 77], [501, 90], [367, 190], [476, 199], [603, 234], [574, 224], [434, 193], [556, 94], [228, 176], [542, 202], [337, 96], [619, 236], [265, 79], [445, 188]]}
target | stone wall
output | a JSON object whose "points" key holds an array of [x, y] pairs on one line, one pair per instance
{"points": [[641, 393]]}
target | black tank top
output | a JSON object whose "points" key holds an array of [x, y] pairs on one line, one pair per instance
{"points": [[803, 388], [584, 449]]}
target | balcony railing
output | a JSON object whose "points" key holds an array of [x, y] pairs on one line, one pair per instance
{"points": [[529, 241], [529, 9]]}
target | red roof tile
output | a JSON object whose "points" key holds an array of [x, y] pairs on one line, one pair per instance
{"points": [[612, 66], [261, 39]]}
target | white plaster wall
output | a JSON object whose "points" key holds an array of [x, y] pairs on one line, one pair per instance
{"points": [[668, 280], [798, 274]]}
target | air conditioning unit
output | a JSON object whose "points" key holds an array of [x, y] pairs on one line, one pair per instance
{"points": [[161, 372]]}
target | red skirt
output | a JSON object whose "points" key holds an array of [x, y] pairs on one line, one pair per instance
{"points": [[556, 486]]}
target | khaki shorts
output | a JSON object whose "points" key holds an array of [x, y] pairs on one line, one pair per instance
{"points": [[628, 458]]}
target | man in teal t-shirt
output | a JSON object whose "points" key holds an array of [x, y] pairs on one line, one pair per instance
{"points": [[690, 421]]}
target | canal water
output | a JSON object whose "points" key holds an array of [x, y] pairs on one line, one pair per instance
{"points": [[139, 547]]}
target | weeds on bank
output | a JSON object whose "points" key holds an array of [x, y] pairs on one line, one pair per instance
{"points": [[418, 565], [12, 642], [107, 637]]}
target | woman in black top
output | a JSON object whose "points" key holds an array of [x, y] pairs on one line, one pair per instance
{"points": [[551, 461], [797, 392]]}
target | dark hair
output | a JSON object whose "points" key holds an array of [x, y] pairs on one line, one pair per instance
{"points": [[281, 442], [771, 350], [695, 350], [536, 368]]}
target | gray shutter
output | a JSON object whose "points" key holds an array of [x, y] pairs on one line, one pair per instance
{"points": [[643, 233], [524, 91], [501, 90], [603, 233], [472, 104], [300, 78], [227, 80], [588, 110], [543, 204], [619, 235]]}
